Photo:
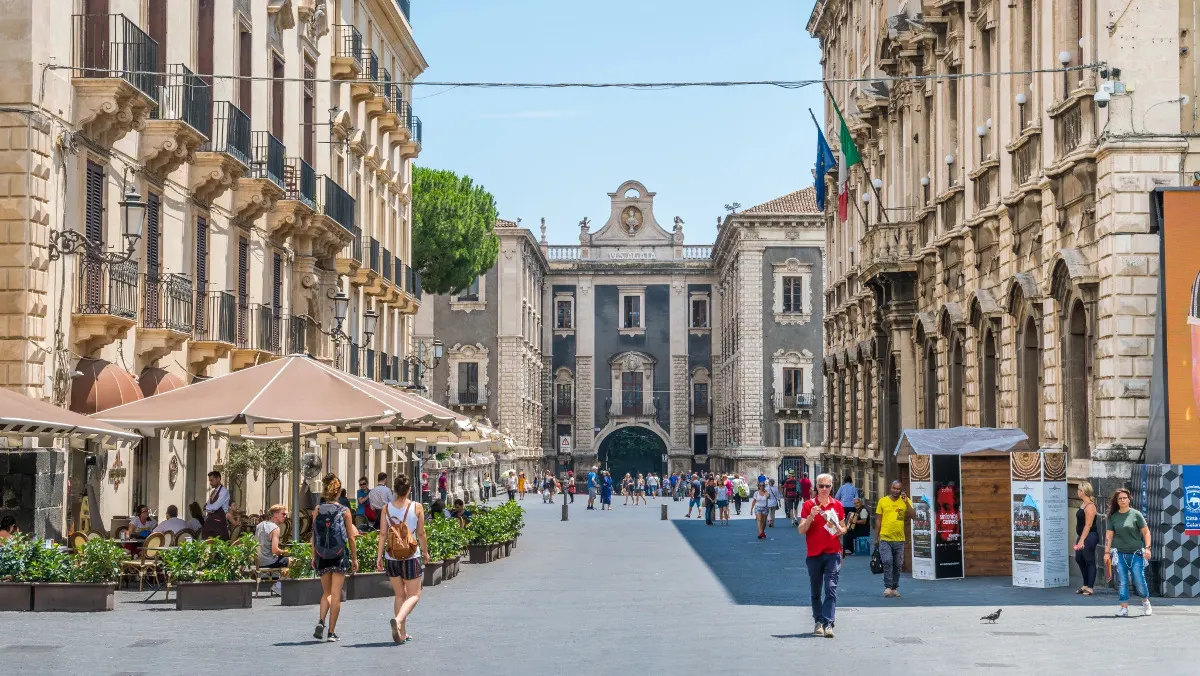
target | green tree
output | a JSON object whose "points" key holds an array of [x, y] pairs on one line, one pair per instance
{"points": [[454, 237]]}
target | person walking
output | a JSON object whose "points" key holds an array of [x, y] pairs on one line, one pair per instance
{"points": [[606, 489], [1127, 549], [521, 485], [510, 486], [487, 487], [723, 503], [652, 485], [1086, 537], [892, 514], [822, 523], [710, 501], [759, 507], [593, 486], [696, 491], [627, 489], [773, 500], [570, 485], [334, 554], [846, 494], [549, 485], [403, 553], [791, 494], [805, 490], [443, 486], [741, 492]]}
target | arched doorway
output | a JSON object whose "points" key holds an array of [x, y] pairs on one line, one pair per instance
{"points": [[632, 449]]}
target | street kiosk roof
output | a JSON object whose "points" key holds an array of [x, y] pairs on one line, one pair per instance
{"points": [[961, 441]]}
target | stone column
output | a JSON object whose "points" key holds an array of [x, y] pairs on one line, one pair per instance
{"points": [[680, 389], [585, 346]]}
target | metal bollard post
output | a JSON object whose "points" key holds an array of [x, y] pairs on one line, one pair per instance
{"points": [[564, 518], [664, 512]]}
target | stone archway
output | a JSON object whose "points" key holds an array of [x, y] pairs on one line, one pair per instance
{"points": [[632, 448]]}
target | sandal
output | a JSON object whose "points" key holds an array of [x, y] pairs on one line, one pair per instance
{"points": [[1080, 590], [1087, 592]]}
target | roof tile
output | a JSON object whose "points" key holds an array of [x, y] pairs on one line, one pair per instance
{"points": [[799, 202]]}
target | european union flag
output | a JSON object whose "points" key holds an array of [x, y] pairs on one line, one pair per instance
{"points": [[825, 162]]}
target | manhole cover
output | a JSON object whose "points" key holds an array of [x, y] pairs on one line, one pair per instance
{"points": [[32, 648], [906, 640], [1015, 633], [148, 642]]}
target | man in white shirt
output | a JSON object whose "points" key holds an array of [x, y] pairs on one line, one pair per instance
{"points": [[379, 496], [173, 524], [216, 523]]}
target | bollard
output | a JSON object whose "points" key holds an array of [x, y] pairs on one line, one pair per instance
{"points": [[564, 513], [664, 512]]}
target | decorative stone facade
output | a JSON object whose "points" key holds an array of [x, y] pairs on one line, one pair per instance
{"points": [[1009, 277]]}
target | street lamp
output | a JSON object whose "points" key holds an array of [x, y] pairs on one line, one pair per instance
{"points": [[981, 131], [949, 171], [133, 213], [1022, 99], [419, 362], [925, 186], [341, 306], [1064, 57]]}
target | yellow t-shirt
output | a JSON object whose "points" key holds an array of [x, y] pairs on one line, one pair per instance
{"points": [[891, 515]]}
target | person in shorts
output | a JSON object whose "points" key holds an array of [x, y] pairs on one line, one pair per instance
{"points": [[405, 575], [334, 554], [696, 492]]}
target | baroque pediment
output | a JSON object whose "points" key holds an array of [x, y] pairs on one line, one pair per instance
{"points": [[631, 220]]}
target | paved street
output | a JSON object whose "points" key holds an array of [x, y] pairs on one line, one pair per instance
{"points": [[607, 593]]}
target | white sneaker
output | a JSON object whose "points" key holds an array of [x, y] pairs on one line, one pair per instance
{"points": [[1146, 609], [277, 588], [819, 630], [1122, 612]]}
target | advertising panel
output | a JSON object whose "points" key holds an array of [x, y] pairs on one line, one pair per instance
{"points": [[1191, 499], [1180, 323], [920, 489], [1039, 520], [948, 542]]}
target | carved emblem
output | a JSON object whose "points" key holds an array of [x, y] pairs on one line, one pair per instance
{"points": [[173, 471], [117, 473], [631, 219]]}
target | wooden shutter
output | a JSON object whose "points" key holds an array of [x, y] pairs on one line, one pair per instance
{"points": [[157, 25], [277, 284], [96, 40], [245, 86], [243, 291], [93, 229], [204, 39], [153, 258], [277, 98], [201, 273]]}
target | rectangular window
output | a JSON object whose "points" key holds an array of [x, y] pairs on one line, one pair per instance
{"points": [[700, 399], [277, 98], [699, 313], [793, 295], [562, 399], [310, 110], [793, 382], [471, 293], [632, 315], [245, 69], [793, 434], [562, 316], [204, 38], [468, 383], [631, 393]]}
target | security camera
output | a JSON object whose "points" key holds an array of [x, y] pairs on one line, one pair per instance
{"points": [[1102, 98]]}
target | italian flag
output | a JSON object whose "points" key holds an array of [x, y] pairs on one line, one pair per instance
{"points": [[847, 157]]}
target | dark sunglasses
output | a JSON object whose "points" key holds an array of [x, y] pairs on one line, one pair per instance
{"points": [[824, 485]]}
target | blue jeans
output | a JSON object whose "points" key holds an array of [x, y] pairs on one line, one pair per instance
{"points": [[892, 556], [823, 572], [1130, 565]]}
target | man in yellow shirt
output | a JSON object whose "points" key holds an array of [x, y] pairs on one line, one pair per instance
{"points": [[892, 513]]}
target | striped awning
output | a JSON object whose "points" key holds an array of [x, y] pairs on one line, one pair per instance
{"points": [[24, 415]]}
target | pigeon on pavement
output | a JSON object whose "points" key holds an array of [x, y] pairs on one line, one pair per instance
{"points": [[992, 617]]}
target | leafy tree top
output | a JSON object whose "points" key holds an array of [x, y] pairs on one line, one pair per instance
{"points": [[453, 230]]}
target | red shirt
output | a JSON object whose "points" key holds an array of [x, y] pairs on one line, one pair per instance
{"points": [[806, 488], [819, 540]]}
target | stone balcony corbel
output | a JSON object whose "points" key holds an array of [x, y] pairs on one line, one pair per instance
{"points": [[253, 197], [167, 144], [109, 108], [358, 143], [94, 331], [154, 344], [212, 173], [287, 217]]}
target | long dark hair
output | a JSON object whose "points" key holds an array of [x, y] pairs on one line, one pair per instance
{"points": [[1113, 506]]}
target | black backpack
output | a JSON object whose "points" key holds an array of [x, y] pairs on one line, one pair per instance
{"points": [[329, 532]]}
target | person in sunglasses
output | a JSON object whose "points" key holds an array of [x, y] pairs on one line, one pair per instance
{"points": [[823, 523]]}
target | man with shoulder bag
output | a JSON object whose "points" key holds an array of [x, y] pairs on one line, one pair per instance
{"points": [[892, 514]]}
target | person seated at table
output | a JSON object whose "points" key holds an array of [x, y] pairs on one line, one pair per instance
{"points": [[197, 513], [343, 499], [8, 528], [437, 510], [141, 524], [173, 524], [459, 511], [267, 533]]}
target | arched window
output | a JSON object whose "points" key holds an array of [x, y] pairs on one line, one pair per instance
{"points": [[1029, 384], [956, 383], [988, 382], [854, 404], [931, 385], [1076, 377]]}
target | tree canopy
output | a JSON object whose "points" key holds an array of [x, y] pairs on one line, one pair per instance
{"points": [[454, 237]]}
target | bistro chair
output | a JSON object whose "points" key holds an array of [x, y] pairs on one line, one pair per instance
{"points": [[186, 535], [269, 574], [75, 543], [147, 563]]}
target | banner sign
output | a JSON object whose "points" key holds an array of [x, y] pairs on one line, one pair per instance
{"points": [[1191, 499], [948, 543], [921, 492], [1179, 320], [1039, 520]]}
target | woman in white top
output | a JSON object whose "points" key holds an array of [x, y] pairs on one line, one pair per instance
{"points": [[405, 575], [723, 501], [141, 524], [759, 507], [773, 500]]}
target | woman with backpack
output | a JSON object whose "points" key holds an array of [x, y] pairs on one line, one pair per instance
{"points": [[403, 553], [334, 554]]}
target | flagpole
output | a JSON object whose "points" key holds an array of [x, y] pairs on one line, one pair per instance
{"points": [[870, 181]]}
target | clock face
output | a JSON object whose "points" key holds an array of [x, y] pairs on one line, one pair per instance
{"points": [[631, 219]]}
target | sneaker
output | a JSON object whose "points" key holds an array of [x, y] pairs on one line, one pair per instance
{"points": [[819, 630], [333, 638], [829, 631], [319, 632], [887, 593], [277, 589], [1122, 612], [1146, 609], [895, 593]]}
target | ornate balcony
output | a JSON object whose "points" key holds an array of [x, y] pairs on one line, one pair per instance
{"points": [[299, 201], [632, 407], [115, 88], [410, 140], [334, 231], [470, 397], [259, 335], [389, 116], [793, 402], [258, 190], [214, 331], [346, 63], [370, 275], [890, 247], [1074, 132], [106, 303], [226, 157], [167, 315], [181, 123], [364, 88]]}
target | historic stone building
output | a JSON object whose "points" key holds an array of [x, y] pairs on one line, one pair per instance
{"points": [[271, 143], [1007, 277], [640, 352]]}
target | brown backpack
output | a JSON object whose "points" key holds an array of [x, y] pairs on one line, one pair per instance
{"points": [[401, 543]]}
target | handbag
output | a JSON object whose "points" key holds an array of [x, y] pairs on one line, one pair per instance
{"points": [[876, 562]]}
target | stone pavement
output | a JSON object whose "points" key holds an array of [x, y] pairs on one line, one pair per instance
{"points": [[611, 593]]}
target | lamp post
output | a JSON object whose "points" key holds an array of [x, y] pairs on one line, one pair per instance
{"points": [[949, 172], [1021, 99], [341, 306], [981, 132], [133, 212], [877, 183], [925, 187], [419, 363], [1064, 57]]}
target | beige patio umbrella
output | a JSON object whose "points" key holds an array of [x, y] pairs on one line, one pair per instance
{"points": [[296, 390], [20, 414]]}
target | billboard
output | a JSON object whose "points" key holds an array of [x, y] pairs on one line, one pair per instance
{"points": [[1175, 213], [1039, 520], [948, 543], [920, 487]]}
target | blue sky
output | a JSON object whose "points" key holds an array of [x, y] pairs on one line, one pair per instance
{"points": [[557, 153]]}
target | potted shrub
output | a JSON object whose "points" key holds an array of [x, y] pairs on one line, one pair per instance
{"points": [[211, 574], [367, 583], [86, 582], [301, 587], [486, 534], [16, 555]]}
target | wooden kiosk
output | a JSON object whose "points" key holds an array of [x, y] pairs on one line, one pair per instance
{"points": [[959, 482]]}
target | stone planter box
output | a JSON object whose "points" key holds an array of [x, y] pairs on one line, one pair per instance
{"points": [[450, 569], [16, 596], [51, 597], [367, 586], [434, 572], [214, 595], [508, 547], [483, 553], [305, 592]]}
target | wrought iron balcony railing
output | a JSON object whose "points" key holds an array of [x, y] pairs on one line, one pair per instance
{"points": [[216, 320], [386, 261], [337, 204], [388, 90], [297, 334], [370, 65], [167, 302], [231, 132], [793, 402], [371, 245], [268, 158], [347, 43], [112, 46], [300, 182], [107, 288], [414, 127], [185, 96]]}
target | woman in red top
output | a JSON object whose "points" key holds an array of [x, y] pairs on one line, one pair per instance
{"points": [[822, 523]]}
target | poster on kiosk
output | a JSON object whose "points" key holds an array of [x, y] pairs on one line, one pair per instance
{"points": [[1039, 520], [937, 542]]}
